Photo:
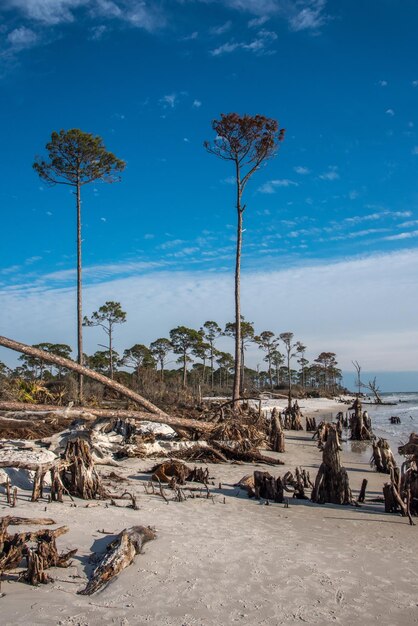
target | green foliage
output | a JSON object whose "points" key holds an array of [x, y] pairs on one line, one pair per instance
{"points": [[76, 158], [137, 357], [160, 348], [109, 314]]}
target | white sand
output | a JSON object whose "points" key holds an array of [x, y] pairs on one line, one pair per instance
{"points": [[233, 560]]}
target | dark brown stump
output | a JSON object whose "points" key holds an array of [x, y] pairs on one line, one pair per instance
{"points": [[332, 484]]}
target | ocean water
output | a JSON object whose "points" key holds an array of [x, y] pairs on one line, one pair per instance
{"points": [[406, 408]]}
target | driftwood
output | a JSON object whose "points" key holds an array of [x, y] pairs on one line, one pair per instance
{"points": [[13, 548], [79, 476], [85, 371], [311, 424], [89, 413], [119, 554], [268, 487], [360, 424], [277, 440], [395, 419], [171, 471], [362, 494], [293, 418], [382, 458], [331, 484]]}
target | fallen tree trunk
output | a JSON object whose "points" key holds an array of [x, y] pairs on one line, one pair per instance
{"points": [[119, 554], [80, 369], [83, 412]]}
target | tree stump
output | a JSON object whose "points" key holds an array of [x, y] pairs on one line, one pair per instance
{"points": [[268, 487], [78, 475], [360, 423], [332, 484], [382, 457], [277, 435]]}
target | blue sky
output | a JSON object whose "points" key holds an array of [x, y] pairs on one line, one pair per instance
{"points": [[335, 210]]}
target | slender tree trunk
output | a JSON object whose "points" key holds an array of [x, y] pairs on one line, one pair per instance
{"points": [[270, 372], [184, 369], [211, 368], [110, 352], [79, 298], [238, 351], [290, 380]]}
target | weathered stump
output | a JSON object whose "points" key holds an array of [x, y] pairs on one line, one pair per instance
{"points": [[78, 476], [382, 457], [268, 487], [277, 440], [332, 484], [360, 423]]}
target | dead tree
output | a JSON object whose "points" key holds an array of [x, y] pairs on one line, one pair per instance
{"points": [[80, 369], [119, 554], [293, 418], [78, 476], [311, 424], [268, 487], [382, 458], [13, 548], [331, 484], [276, 435], [360, 424]]}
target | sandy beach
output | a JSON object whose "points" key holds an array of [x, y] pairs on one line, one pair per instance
{"points": [[229, 559]]}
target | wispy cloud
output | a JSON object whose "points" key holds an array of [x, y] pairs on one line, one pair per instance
{"points": [[258, 45], [221, 29], [22, 37], [272, 185], [146, 15], [258, 21], [383, 83], [197, 104], [331, 174], [400, 236], [309, 17], [390, 112], [357, 219], [299, 169]]}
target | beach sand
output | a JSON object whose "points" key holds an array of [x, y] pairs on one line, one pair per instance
{"points": [[232, 560]]}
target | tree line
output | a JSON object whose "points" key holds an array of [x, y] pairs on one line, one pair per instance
{"points": [[198, 356]]}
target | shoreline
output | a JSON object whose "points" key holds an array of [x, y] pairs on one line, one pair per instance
{"points": [[230, 559]]}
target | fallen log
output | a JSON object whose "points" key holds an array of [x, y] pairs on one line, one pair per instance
{"points": [[119, 554], [89, 413], [80, 369]]}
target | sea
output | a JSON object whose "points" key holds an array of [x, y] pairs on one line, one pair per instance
{"points": [[403, 405]]}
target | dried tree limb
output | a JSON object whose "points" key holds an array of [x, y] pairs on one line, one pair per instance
{"points": [[119, 554], [83, 412]]}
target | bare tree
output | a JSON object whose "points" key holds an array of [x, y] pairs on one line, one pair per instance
{"points": [[76, 158], [246, 141]]}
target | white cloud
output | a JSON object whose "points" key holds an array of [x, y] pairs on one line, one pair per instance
{"points": [[221, 29], [386, 339], [415, 150], [310, 17], [197, 104], [51, 12], [97, 32], [271, 186], [390, 112], [415, 83], [383, 83], [299, 169], [408, 235], [48, 11], [263, 40], [22, 37], [332, 173], [169, 101], [258, 21]]}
